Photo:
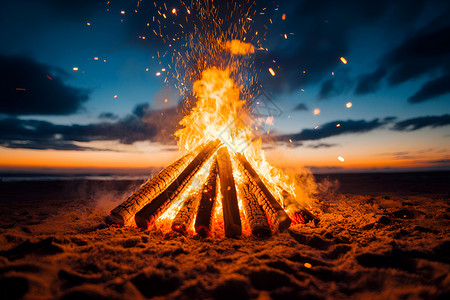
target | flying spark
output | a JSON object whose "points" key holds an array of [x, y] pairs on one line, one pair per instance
{"points": [[344, 61], [349, 104], [341, 158], [75, 69], [272, 72], [316, 111]]}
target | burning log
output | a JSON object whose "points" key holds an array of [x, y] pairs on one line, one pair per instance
{"points": [[124, 213], [156, 207], [301, 215], [207, 203], [255, 215], [273, 209], [231, 218], [185, 215]]}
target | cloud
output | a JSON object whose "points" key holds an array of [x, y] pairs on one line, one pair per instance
{"points": [[28, 87], [425, 53], [108, 116], [143, 125], [321, 145], [330, 129], [301, 107], [421, 122], [431, 89]]}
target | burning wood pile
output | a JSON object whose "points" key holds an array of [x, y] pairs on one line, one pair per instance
{"points": [[262, 212]]}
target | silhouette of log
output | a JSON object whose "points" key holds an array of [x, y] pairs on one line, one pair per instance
{"points": [[254, 213], [124, 213], [207, 202], [186, 214], [156, 207], [279, 218], [231, 218]]}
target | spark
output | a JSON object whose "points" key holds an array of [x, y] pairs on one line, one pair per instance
{"points": [[165, 100], [272, 72], [316, 127], [344, 61], [285, 36], [20, 89], [338, 125], [174, 11], [158, 73], [122, 12], [308, 265], [75, 69], [283, 17], [316, 111], [88, 24], [49, 77], [290, 141], [332, 73], [96, 58], [341, 158], [115, 96], [349, 104], [146, 69]]}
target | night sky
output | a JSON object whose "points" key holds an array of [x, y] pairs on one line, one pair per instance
{"points": [[80, 87]]}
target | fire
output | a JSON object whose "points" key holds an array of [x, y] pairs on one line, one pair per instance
{"points": [[215, 72]]}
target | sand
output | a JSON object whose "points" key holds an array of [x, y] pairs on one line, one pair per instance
{"points": [[380, 236]]}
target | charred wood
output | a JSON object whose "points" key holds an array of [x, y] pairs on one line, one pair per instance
{"points": [[207, 203], [254, 213], [231, 217], [186, 214], [279, 218]]}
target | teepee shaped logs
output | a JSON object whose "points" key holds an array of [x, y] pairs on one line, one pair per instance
{"points": [[263, 212]]}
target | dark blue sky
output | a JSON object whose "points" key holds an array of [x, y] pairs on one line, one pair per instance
{"points": [[397, 77]]}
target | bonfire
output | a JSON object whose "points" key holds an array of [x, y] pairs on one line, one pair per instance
{"points": [[224, 178]]}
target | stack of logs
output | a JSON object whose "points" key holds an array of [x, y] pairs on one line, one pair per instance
{"points": [[262, 211]]}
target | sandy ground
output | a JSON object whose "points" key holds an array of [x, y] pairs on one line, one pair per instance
{"points": [[380, 236]]}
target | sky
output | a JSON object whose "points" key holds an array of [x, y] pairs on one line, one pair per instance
{"points": [[84, 84]]}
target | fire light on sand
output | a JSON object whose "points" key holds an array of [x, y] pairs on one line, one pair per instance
{"points": [[223, 155]]}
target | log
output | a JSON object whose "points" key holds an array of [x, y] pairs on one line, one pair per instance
{"points": [[124, 213], [302, 215], [279, 218], [186, 214], [207, 203], [231, 218], [156, 207], [254, 213]]}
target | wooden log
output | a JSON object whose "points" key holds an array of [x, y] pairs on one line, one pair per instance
{"points": [[279, 218], [301, 215], [124, 213], [207, 202], [156, 207], [231, 217], [186, 214], [254, 213]]}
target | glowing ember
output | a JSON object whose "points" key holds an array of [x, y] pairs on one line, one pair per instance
{"points": [[343, 60], [122, 12], [348, 105], [75, 69], [272, 72], [341, 158], [316, 111]]}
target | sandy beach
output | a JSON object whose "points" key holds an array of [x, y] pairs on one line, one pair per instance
{"points": [[380, 236]]}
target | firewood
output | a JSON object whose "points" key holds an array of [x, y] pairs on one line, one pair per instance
{"points": [[279, 218], [156, 207], [301, 215], [124, 213], [254, 213], [231, 217], [207, 202], [186, 214]]}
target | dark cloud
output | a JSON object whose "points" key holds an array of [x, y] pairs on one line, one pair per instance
{"points": [[425, 53], [421, 122], [143, 125], [321, 145], [301, 107], [108, 116], [433, 88], [335, 86], [330, 129], [28, 87]]}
